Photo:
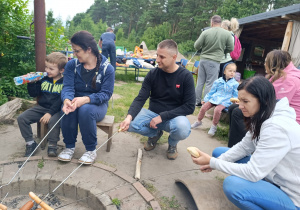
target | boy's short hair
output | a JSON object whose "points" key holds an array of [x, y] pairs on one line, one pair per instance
{"points": [[57, 58], [168, 44]]}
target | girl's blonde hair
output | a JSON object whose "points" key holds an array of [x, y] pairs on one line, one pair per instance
{"points": [[276, 62], [232, 25]]}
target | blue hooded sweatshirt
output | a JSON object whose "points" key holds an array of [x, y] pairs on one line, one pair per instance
{"points": [[75, 86]]}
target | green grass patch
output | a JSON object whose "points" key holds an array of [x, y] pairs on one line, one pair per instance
{"points": [[167, 203], [41, 163]]}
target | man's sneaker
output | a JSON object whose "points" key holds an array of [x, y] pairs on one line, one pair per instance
{"points": [[29, 149], [198, 104], [88, 157], [66, 154], [196, 124], [212, 130], [151, 143], [172, 152]]}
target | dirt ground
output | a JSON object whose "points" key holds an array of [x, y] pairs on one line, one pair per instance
{"points": [[157, 171]]}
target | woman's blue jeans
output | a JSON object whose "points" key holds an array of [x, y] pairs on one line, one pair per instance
{"points": [[178, 127], [86, 116], [254, 195]]}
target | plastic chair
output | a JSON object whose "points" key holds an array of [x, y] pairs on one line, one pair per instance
{"points": [[184, 62], [195, 69]]}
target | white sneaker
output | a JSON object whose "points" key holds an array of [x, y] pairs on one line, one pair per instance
{"points": [[196, 124], [88, 157], [66, 154], [212, 130]]}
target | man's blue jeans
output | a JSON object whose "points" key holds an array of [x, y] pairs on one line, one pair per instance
{"points": [[254, 195], [178, 127]]}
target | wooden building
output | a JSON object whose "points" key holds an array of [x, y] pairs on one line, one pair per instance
{"points": [[261, 33]]}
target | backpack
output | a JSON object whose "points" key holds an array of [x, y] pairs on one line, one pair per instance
{"points": [[236, 53]]}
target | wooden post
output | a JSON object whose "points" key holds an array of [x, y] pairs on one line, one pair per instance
{"points": [[138, 165], [287, 36]]}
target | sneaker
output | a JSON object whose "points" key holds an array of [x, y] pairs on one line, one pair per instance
{"points": [[198, 104], [52, 149], [66, 154], [29, 149], [172, 152], [212, 130], [88, 157], [151, 143], [196, 124]]}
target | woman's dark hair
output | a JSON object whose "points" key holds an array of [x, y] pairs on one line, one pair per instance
{"points": [[263, 90], [85, 40]]}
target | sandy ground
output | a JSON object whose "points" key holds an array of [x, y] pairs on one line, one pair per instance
{"points": [[156, 170]]}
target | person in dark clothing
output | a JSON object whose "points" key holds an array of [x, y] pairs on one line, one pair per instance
{"points": [[170, 88], [49, 104], [88, 86], [107, 44], [237, 129]]}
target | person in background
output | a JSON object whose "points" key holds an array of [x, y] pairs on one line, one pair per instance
{"points": [[285, 78], [212, 43], [232, 26], [172, 96], [107, 44], [270, 178], [47, 110], [88, 86], [219, 96]]}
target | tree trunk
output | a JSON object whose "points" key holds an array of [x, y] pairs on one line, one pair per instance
{"points": [[9, 109]]}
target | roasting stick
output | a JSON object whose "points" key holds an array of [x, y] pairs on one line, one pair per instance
{"points": [[138, 165], [78, 167], [32, 153]]}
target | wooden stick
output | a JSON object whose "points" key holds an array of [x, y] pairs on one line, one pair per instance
{"points": [[2, 207], [39, 201], [138, 164], [27, 206]]}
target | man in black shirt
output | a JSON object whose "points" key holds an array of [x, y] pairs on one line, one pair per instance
{"points": [[172, 96]]}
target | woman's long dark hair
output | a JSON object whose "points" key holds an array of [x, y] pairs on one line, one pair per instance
{"points": [[85, 40], [264, 91]]}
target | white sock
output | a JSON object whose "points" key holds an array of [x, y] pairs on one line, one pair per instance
{"points": [[29, 142]]}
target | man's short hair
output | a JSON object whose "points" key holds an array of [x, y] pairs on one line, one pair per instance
{"points": [[109, 29], [169, 44], [216, 19], [57, 58]]}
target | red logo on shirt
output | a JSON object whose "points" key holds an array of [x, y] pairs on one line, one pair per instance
{"points": [[177, 86]]}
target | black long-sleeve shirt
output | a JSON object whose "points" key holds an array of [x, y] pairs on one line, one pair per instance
{"points": [[171, 94], [48, 93]]}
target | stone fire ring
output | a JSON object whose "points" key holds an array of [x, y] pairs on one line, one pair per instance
{"points": [[99, 182]]}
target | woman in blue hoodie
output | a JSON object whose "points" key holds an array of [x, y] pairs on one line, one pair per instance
{"points": [[88, 86]]}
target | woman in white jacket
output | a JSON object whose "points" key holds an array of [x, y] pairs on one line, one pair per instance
{"points": [[270, 178]]}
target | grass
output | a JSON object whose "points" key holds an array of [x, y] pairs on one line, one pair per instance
{"points": [[41, 163]]}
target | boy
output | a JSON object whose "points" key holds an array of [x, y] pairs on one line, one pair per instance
{"points": [[49, 104]]}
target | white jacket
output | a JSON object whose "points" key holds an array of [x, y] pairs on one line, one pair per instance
{"points": [[275, 156]]}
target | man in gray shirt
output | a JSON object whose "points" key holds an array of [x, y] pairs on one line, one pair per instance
{"points": [[212, 43]]}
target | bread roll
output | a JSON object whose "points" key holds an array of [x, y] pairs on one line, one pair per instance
{"points": [[234, 100], [193, 151]]}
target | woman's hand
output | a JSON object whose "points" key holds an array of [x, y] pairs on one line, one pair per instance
{"points": [[203, 159], [68, 107], [45, 119], [79, 101], [205, 169]]}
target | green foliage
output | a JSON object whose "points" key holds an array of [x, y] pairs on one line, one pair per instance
{"points": [[41, 163], [116, 202], [170, 203], [187, 46]]}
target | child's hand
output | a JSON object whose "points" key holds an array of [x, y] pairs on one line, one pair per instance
{"points": [[202, 102], [45, 119]]}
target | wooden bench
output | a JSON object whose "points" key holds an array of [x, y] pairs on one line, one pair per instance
{"points": [[107, 125], [42, 130]]}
